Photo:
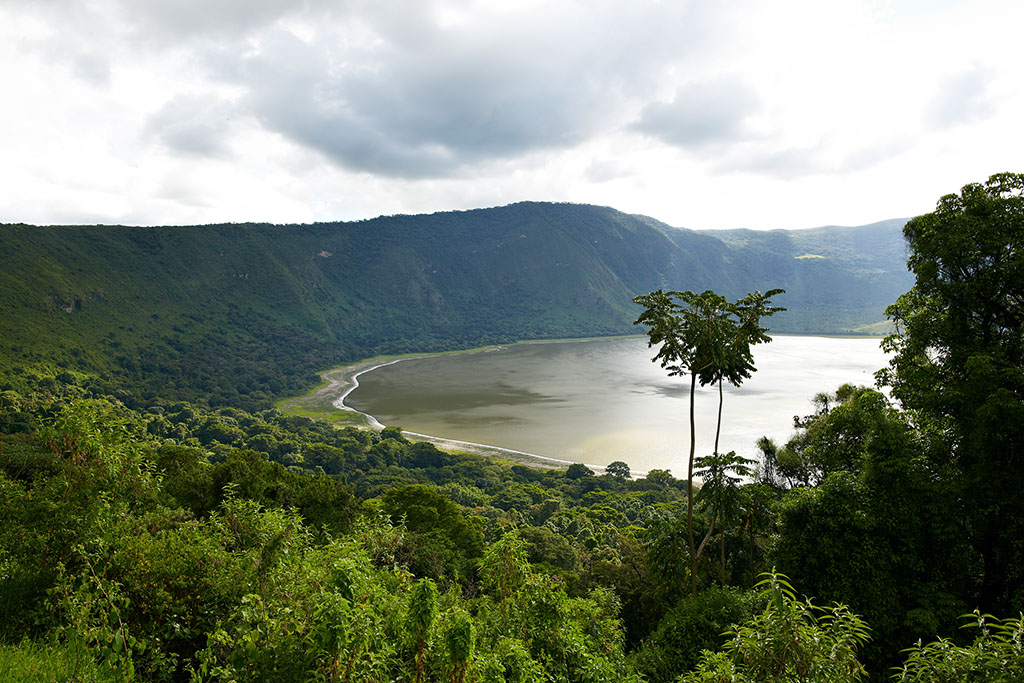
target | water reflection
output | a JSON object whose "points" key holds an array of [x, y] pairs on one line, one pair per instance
{"points": [[600, 401]]}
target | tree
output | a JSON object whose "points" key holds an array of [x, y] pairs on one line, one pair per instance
{"points": [[958, 365], [692, 625], [618, 469], [578, 470], [393, 433], [661, 478], [865, 534], [442, 539], [709, 338]]}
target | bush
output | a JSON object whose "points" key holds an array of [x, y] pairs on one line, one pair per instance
{"points": [[694, 624], [792, 640]]}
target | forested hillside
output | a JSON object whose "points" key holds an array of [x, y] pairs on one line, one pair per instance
{"points": [[238, 314], [155, 539]]}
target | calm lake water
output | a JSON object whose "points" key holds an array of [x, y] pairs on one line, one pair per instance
{"points": [[604, 400]]}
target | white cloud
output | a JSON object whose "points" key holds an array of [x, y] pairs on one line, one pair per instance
{"points": [[963, 98], [701, 114], [740, 114]]}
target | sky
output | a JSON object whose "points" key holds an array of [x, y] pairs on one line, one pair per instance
{"points": [[710, 114]]}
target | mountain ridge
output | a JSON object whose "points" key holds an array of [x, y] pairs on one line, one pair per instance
{"points": [[244, 312]]}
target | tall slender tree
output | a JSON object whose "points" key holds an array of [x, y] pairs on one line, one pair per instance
{"points": [[708, 338]]}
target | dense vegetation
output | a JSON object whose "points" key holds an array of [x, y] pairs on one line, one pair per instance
{"points": [[241, 314], [164, 540]]}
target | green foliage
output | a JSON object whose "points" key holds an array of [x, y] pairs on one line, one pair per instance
{"points": [[694, 624], [458, 639], [709, 338], [874, 492], [995, 656], [30, 661], [509, 662], [422, 612], [442, 541], [504, 568], [706, 334], [393, 433], [146, 538], [720, 491], [578, 470], [422, 609], [958, 363], [177, 558], [545, 547], [791, 640], [618, 469]]}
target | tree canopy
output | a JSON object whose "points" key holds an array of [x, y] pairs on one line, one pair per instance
{"points": [[958, 364]]}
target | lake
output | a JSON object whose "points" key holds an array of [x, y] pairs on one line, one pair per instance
{"points": [[597, 401]]}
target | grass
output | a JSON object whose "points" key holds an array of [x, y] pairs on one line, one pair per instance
{"points": [[329, 414], [31, 662]]}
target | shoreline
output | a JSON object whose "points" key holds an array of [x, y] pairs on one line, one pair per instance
{"points": [[339, 382], [327, 401]]}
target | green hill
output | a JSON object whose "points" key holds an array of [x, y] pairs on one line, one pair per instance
{"points": [[241, 313]]}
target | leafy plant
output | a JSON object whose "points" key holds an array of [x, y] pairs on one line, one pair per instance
{"points": [[995, 656], [422, 611], [791, 640]]}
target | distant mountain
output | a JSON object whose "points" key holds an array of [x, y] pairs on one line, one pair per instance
{"points": [[837, 279], [241, 313]]}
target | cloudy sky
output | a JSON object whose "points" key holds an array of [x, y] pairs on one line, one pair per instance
{"points": [[701, 113]]}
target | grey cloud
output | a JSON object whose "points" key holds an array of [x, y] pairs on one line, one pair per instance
{"points": [[452, 99], [786, 163], [603, 170], [92, 68], [964, 98], [700, 114], [192, 125], [388, 87]]}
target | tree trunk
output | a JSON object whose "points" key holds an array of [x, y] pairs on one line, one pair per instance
{"points": [[750, 529], [707, 536], [718, 428], [723, 554], [718, 432], [689, 490]]}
